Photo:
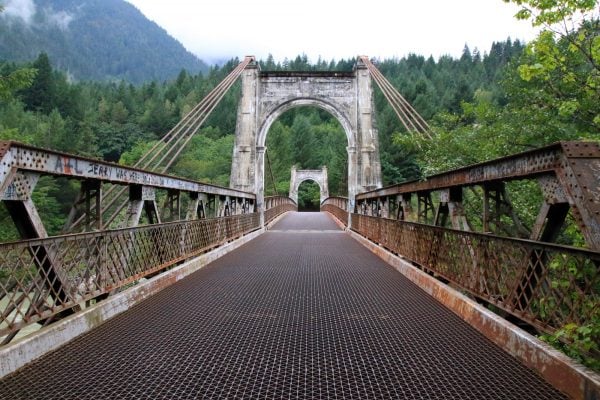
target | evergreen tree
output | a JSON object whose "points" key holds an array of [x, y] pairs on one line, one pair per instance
{"points": [[41, 94]]}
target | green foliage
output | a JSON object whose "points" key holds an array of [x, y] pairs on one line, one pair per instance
{"points": [[207, 159], [544, 12], [310, 139], [581, 342], [563, 62], [15, 80], [309, 196], [97, 39]]}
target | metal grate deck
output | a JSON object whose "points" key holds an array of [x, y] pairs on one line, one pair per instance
{"points": [[290, 315]]}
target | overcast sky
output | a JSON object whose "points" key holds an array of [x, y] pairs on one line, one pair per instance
{"points": [[221, 29]]}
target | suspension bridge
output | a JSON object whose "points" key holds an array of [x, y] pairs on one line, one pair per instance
{"points": [[163, 287]]}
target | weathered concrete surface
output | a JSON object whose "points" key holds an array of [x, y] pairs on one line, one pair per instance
{"points": [[559, 370], [319, 176], [52, 337], [347, 96]]}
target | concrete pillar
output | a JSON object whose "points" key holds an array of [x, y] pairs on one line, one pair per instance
{"points": [[244, 150], [370, 174]]}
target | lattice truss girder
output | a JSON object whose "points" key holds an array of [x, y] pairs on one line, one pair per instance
{"points": [[488, 251], [567, 174], [42, 279]]}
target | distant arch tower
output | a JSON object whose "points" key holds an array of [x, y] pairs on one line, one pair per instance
{"points": [[319, 176], [348, 96]]}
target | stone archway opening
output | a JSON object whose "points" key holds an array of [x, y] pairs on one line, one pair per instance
{"points": [[306, 139], [318, 176], [266, 95], [309, 196]]}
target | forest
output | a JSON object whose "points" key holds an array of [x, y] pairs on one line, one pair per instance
{"points": [[482, 105], [102, 40]]}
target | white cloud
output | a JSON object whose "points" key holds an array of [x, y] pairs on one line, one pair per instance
{"points": [[62, 19], [24, 9]]}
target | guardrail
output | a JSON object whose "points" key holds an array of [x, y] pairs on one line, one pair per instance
{"points": [[338, 206], [564, 175], [40, 279], [545, 284], [277, 205], [110, 194]]}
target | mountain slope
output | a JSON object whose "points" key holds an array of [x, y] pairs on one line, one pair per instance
{"points": [[93, 39]]}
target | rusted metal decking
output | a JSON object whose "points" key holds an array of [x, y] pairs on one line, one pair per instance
{"points": [[303, 311]]}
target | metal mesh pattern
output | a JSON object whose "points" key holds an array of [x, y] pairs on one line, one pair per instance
{"points": [[544, 284], [289, 315], [40, 278], [306, 221]]}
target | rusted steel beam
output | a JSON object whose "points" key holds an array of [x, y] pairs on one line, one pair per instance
{"points": [[99, 262], [545, 160], [338, 207], [21, 157], [277, 205], [568, 173], [545, 284]]}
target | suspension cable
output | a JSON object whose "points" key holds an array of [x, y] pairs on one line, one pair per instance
{"points": [[271, 173], [408, 116], [172, 143]]}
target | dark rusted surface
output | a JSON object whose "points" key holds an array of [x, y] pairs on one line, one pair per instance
{"points": [[277, 205], [546, 285], [306, 221], [290, 315], [41, 278], [566, 173], [533, 162], [340, 213], [50, 162]]}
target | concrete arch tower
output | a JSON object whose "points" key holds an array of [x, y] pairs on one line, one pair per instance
{"points": [[348, 96], [319, 176]]}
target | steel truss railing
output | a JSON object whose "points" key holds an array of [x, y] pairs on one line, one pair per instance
{"points": [[277, 205], [543, 284], [166, 151], [337, 206], [42, 278]]}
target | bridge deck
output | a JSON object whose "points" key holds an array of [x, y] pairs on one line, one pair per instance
{"points": [[303, 311]]}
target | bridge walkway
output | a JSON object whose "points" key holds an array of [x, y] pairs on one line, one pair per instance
{"points": [[303, 311]]}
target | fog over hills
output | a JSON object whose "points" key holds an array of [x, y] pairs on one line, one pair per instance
{"points": [[93, 40]]}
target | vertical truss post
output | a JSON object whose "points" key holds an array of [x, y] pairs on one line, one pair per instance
{"points": [[211, 206], [497, 205], [16, 194], [405, 209], [374, 204], [233, 206], [385, 207], [92, 192], [426, 209], [141, 198], [172, 207], [196, 206], [553, 212], [451, 206]]}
